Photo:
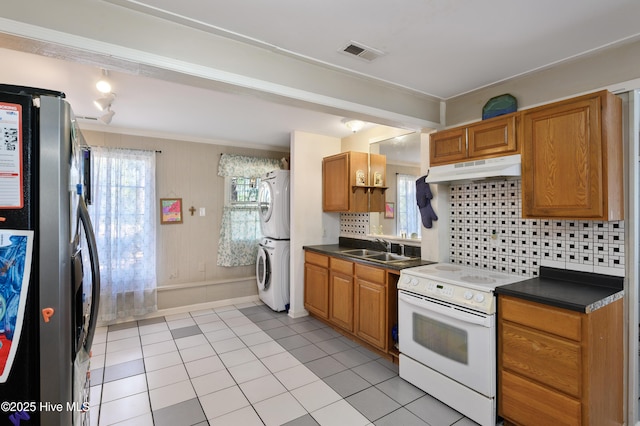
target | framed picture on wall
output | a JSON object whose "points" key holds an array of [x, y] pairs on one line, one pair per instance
{"points": [[170, 210], [389, 210]]}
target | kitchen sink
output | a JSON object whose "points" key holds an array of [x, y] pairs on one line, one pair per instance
{"points": [[388, 257], [363, 252], [376, 255]]}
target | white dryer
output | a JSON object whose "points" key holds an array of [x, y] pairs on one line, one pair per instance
{"points": [[273, 203], [272, 273]]}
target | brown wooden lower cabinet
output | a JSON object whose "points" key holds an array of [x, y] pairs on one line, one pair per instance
{"points": [[557, 366], [356, 298]]}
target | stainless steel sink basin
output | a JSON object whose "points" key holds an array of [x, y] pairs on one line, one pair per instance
{"points": [[362, 252], [388, 257], [376, 255]]}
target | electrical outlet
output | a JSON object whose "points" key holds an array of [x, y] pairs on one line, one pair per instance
{"points": [[173, 274]]}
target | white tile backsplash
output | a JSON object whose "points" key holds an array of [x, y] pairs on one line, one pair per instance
{"points": [[487, 231]]}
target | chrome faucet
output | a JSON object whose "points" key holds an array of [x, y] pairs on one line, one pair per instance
{"points": [[401, 249], [385, 243]]}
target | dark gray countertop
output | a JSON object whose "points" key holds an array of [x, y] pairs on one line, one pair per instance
{"points": [[572, 290], [336, 250]]}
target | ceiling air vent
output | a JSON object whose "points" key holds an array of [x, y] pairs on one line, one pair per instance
{"points": [[361, 51]]}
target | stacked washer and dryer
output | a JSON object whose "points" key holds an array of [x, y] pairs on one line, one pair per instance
{"points": [[272, 265]]}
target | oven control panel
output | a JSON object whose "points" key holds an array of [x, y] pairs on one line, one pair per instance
{"points": [[459, 295]]}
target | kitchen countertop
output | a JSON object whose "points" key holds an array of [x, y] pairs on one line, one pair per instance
{"points": [[336, 250], [573, 290]]}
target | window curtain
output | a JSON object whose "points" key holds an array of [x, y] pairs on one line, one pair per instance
{"points": [[240, 228], [124, 217], [407, 212]]}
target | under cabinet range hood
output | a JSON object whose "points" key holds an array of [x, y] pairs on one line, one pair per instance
{"points": [[475, 170]]}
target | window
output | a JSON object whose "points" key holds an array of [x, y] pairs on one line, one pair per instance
{"points": [[240, 229], [123, 214], [407, 212]]}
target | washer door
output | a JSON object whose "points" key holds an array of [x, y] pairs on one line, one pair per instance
{"points": [[265, 200], [263, 268]]}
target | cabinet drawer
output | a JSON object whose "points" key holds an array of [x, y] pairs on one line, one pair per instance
{"points": [[527, 403], [557, 321], [369, 273], [342, 266], [316, 259], [544, 358]]}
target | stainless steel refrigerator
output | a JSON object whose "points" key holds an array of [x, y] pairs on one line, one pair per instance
{"points": [[49, 275]]}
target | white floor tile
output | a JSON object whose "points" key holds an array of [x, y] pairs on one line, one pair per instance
{"points": [[249, 371], [157, 362], [98, 348], [228, 345], [246, 305], [238, 321], [167, 376], [116, 411], [171, 395], [280, 362], [315, 395], [197, 352], [213, 326], [242, 330], [191, 341], [256, 338], [259, 389], [296, 376], [201, 312], [161, 336], [122, 334], [212, 382], [205, 319], [95, 395], [123, 344], [181, 323], [143, 420], [280, 409], [124, 387], [159, 348], [215, 336], [340, 412], [113, 358], [233, 358], [203, 366], [175, 317], [97, 361], [266, 349], [243, 417], [223, 402], [153, 328], [230, 313]]}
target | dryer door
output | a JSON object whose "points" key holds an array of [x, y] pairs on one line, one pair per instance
{"points": [[265, 200], [263, 268]]}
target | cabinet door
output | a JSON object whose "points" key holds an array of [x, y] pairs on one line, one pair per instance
{"points": [[492, 138], [448, 146], [316, 290], [335, 183], [371, 303], [341, 306], [564, 167]]}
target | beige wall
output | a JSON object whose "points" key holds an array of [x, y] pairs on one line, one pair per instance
{"points": [[609, 69], [187, 253]]}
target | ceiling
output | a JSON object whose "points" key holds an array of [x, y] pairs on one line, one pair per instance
{"points": [[439, 48]]}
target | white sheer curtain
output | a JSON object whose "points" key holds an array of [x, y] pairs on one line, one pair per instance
{"points": [[240, 229], [124, 217], [407, 212]]}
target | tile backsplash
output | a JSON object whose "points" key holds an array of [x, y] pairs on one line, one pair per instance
{"points": [[487, 231], [354, 225]]}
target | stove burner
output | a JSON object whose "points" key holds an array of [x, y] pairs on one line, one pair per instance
{"points": [[451, 268], [477, 279]]}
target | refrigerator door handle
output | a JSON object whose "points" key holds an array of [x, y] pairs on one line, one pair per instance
{"points": [[95, 271]]}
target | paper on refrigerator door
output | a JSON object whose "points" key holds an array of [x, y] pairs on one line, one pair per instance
{"points": [[11, 190], [16, 250]]}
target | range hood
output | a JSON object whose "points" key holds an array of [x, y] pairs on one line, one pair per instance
{"points": [[476, 170]]}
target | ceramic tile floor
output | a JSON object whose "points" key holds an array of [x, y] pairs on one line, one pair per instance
{"points": [[247, 365]]}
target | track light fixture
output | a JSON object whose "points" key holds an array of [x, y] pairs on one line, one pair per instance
{"points": [[104, 85], [105, 102], [108, 116]]}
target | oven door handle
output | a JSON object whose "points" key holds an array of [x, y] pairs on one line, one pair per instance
{"points": [[451, 312]]}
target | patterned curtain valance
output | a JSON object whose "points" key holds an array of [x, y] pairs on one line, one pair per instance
{"points": [[239, 165]]}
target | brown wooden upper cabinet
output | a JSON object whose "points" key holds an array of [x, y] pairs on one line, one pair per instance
{"points": [[572, 159], [488, 138], [353, 182]]}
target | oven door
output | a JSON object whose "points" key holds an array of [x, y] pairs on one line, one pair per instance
{"points": [[454, 341]]}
